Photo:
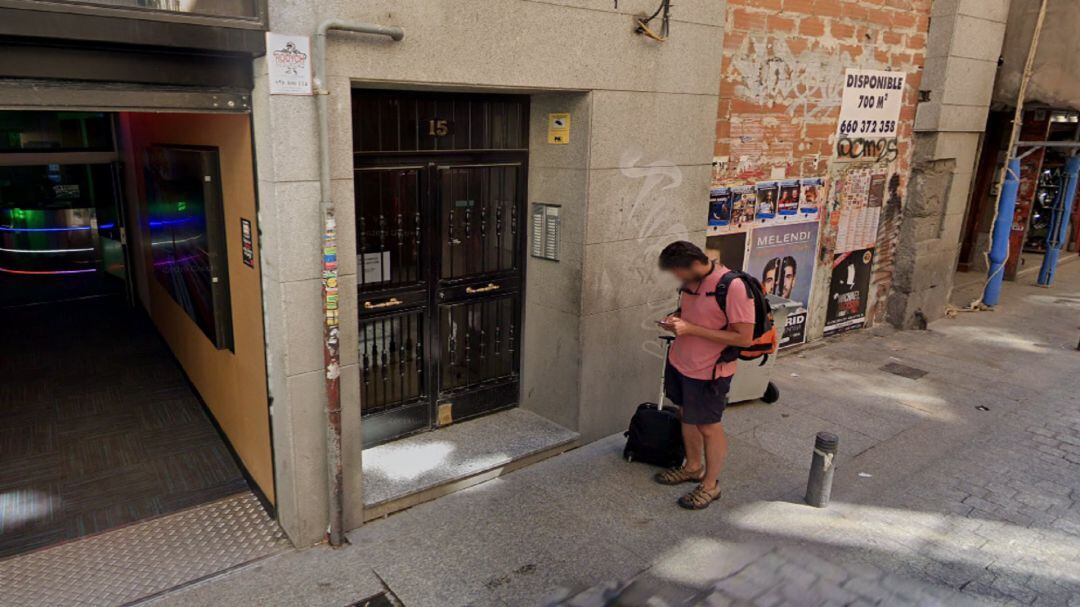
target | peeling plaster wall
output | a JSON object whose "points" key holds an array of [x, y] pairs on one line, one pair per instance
{"points": [[1056, 78], [782, 78]]}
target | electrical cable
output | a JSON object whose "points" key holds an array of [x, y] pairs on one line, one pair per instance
{"points": [[643, 24]]}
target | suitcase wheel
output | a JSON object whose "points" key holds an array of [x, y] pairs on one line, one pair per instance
{"points": [[772, 394]]}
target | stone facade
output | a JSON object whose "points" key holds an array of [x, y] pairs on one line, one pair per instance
{"points": [[964, 45], [634, 177]]}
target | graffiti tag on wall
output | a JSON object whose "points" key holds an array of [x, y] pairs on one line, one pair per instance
{"points": [[859, 148]]}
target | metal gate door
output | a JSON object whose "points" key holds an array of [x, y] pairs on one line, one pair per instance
{"points": [[440, 184]]}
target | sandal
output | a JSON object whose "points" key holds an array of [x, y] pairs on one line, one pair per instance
{"points": [[699, 498], [675, 476]]}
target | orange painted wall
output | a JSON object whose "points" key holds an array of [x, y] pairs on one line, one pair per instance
{"points": [[233, 385]]}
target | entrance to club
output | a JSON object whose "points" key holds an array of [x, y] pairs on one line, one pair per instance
{"points": [[132, 372], [440, 182]]}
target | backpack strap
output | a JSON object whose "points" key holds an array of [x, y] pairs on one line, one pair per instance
{"points": [[722, 289]]}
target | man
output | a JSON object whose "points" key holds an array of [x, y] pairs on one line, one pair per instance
{"points": [[695, 379], [789, 269], [769, 275]]}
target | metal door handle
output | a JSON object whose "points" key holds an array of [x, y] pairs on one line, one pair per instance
{"points": [[490, 287], [389, 303]]}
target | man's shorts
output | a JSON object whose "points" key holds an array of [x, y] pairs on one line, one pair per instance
{"points": [[702, 401]]}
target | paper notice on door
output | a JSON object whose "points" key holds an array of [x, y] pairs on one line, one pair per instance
{"points": [[374, 267]]}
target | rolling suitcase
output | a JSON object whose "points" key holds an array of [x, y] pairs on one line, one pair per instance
{"points": [[655, 432]]}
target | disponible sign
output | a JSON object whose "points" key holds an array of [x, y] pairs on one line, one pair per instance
{"points": [[871, 103], [289, 63]]}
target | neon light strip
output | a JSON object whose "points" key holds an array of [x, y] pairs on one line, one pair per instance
{"points": [[68, 229], [46, 273], [171, 222], [162, 243], [46, 250], [177, 261]]}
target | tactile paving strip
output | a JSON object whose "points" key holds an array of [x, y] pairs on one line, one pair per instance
{"points": [[122, 566]]}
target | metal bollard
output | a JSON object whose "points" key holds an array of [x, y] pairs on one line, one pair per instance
{"points": [[819, 485]]}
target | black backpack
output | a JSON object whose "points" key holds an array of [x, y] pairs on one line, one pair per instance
{"points": [[655, 436], [764, 333]]}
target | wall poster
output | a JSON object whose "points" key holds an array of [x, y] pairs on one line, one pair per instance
{"points": [[783, 257], [870, 105], [729, 249], [813, 190], [767, 192], [789, 197], [849, 291], [860, 193], [719, 207], [743, 205]]}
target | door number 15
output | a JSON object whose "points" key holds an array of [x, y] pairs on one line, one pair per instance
{"points": [[438, 128]]}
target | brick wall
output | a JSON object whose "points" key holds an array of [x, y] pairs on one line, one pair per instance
{"points": [[782, 76], [781, 84]]}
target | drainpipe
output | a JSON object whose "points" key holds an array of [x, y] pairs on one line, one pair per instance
{"points": [[331, 352]]}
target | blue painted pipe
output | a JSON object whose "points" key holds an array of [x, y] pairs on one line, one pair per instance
{"points": [[999, 236], [1058, 234]]}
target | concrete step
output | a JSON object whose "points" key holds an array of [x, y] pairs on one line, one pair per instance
{"points": [[422, 467]]}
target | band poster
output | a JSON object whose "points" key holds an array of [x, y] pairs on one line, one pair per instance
{"points": [[782, 257], [849, 291]]}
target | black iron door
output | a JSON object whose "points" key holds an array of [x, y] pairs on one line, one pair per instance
{"points": [[440, 245]]}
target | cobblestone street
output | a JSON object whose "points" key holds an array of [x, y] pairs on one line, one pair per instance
{"points": [[959, 487]]}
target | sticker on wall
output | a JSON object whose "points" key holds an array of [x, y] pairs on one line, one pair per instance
{"points": [[810, 197], [782, 257], [789, 197], [719, 207], [289, 64], [559, 128], [247, 246], [870, 105], [767, 192], [849, 291]]}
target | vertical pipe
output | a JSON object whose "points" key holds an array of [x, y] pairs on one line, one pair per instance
{"points": [[1058, 234], [999, 243], [331, 352]]}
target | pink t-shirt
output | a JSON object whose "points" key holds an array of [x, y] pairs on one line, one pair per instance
{"points": [[695, 356]]}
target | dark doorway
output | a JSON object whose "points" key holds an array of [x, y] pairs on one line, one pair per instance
{"points": [[440, 206], [98, 426], [101, 422]]}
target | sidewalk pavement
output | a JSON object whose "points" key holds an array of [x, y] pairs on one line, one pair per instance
{"points": [[957, 482]]}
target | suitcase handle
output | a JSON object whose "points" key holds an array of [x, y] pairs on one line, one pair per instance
{"points": [[667, 339]]}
